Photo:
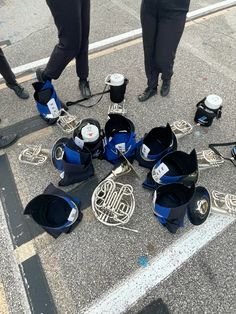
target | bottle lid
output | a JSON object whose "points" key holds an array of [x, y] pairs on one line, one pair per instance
{"points": [[213, 102], [90, 133], [117, 79]]}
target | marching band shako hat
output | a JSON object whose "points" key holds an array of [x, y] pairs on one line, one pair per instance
{"points": [[90, 134], [77, 164], [170, 203], [208, 109], [174, 167], [55, 211], [119, 137], [157, 143], [47, 102], [74, 162]]}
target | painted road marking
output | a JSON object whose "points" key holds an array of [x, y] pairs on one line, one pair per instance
{"points": [[3, 301], [128, 292], [210, 9], [33, 277], [102, 44], [25, 251]]}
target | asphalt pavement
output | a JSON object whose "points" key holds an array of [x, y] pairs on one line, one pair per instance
{"points": [[94, 261]]}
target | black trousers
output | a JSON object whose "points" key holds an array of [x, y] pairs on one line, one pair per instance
{"points": [[72, 19], [163, 24], [5, 70]]}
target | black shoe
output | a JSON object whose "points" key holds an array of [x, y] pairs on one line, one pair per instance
{"points": [[165, 88], [7, 140], [19, 90], [85, 89], [148, 93], [41, 77]]}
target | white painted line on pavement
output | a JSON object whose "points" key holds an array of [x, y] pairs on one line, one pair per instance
{"points": [[4, 309], [25, 252], [128, 292], [102, 44], [210, 9], [28, 249], [116, 39], [13, 269]]}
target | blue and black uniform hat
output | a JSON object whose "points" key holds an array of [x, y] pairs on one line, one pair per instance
{"points": [[55, 211], [170, 203], [174, 167], [75, 162], [119, 137], [154, 145], [47, 102]]}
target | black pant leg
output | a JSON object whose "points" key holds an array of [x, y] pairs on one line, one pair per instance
{"points": [[170, 30], [149, 21], [82, 68], [67, 17], [5, 69]]}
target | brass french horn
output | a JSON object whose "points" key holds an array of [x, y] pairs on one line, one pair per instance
{"points": [[113, 203]]}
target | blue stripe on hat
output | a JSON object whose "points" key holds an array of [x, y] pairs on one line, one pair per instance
{"points": [[72, 156]]}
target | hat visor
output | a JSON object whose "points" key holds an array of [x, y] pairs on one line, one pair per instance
{"points": [[199, 207]]}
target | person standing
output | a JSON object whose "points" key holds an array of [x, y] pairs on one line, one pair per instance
{"points": [[163, 24], [72, 19], [10, 79]]}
